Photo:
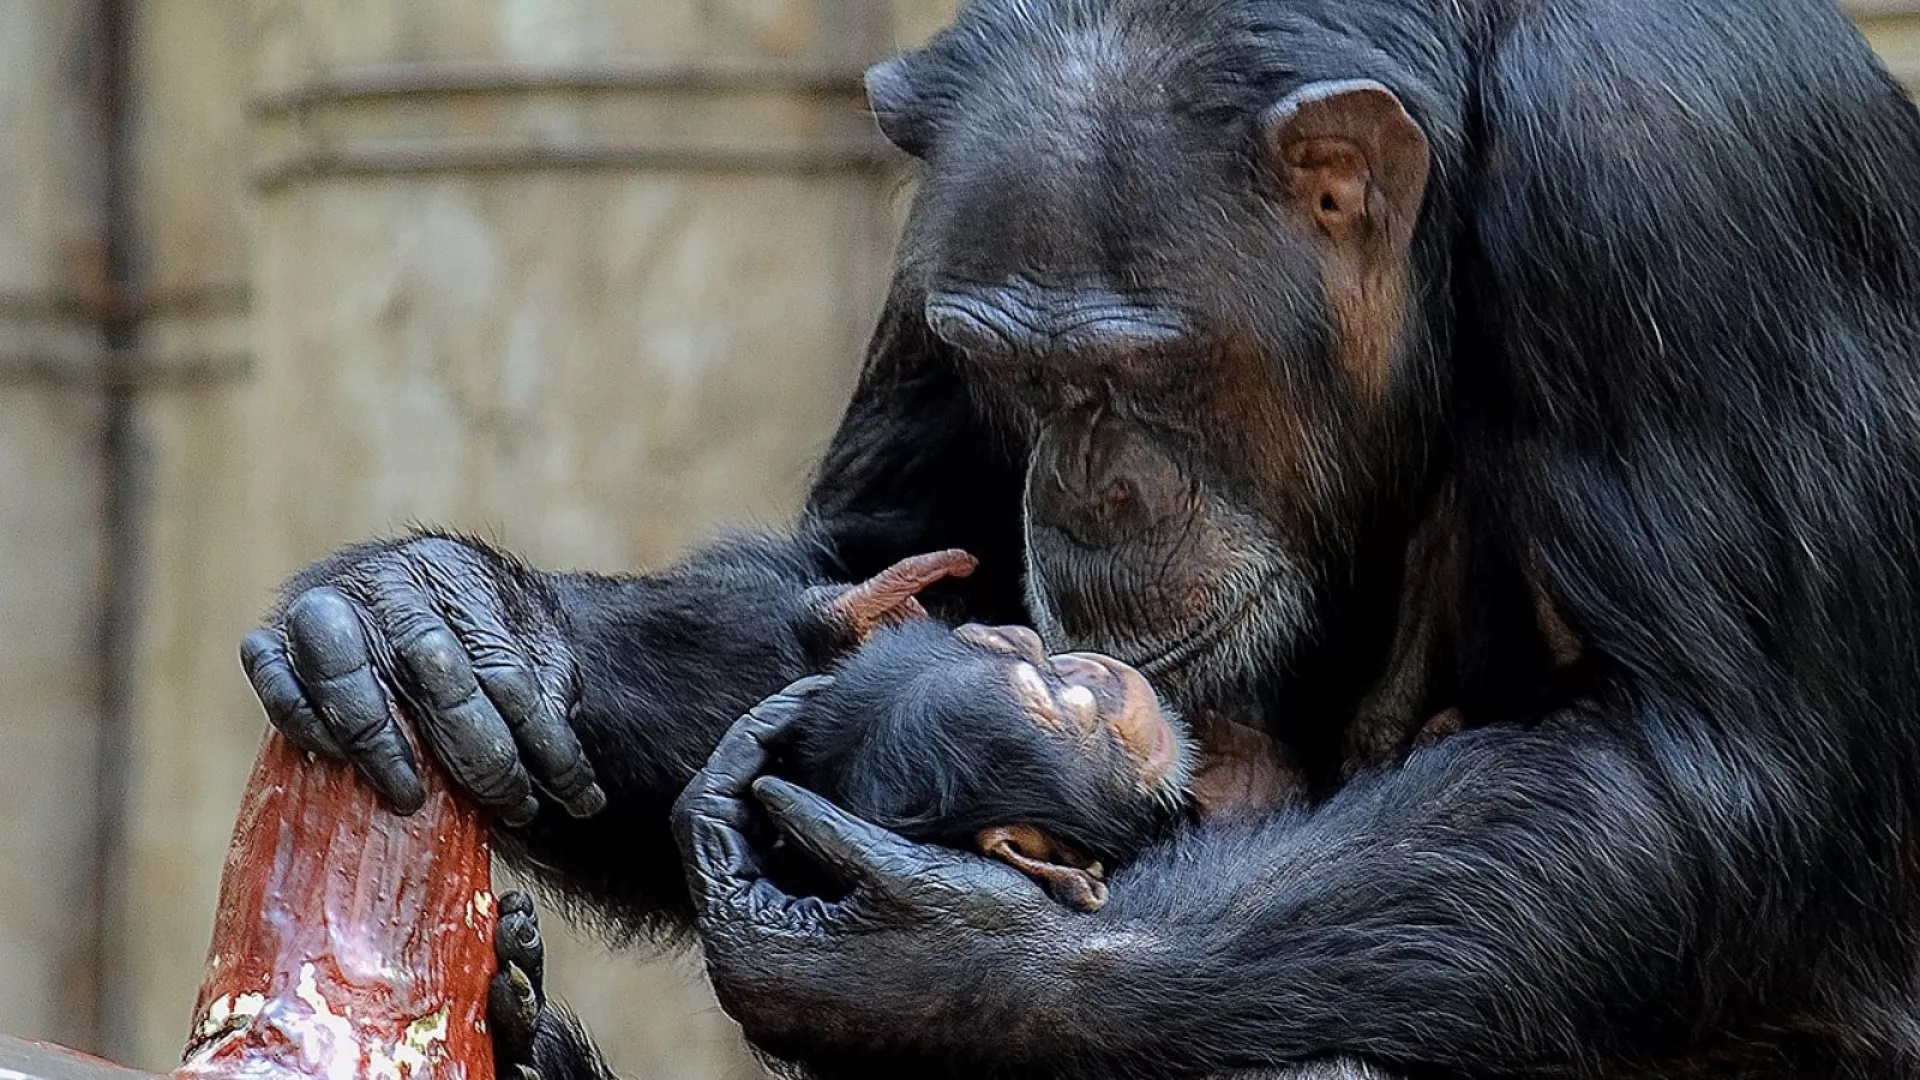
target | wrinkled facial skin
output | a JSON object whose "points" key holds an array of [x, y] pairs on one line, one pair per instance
{"points": [[1130, 554], [1188, 319]]}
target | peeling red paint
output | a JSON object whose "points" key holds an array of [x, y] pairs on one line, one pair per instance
{"points": [[350, 943]]}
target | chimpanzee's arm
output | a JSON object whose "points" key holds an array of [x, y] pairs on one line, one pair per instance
{"points": [[1514, 902], [1510, 901], [512, 673]]}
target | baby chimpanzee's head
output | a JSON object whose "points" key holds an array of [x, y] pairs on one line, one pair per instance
{"points": [[976, 738]]}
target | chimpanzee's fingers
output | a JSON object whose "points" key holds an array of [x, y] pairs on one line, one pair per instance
{"points": [[516, 940], [330, 658], [264, 656], [467, 732], [743, 751], [863, 853], [513, 1015], [711, 814], [520, 696]]}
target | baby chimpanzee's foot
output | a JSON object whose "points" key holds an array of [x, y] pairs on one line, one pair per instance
{"points": [[517, 995]]}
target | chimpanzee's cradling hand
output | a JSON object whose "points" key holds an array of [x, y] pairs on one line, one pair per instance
{"points": [[808, 977]]}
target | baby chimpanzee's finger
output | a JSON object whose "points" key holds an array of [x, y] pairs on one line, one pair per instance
{"points": [[888, 597], [513, 1015], [516, 995], [516, 939]]}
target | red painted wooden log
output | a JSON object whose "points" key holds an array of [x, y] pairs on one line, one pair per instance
{"points": [[350, 943]]}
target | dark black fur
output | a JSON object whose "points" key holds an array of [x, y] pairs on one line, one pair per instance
{"points": [[1669, 284]]}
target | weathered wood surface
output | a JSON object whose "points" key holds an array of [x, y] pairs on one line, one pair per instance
{"points": [[349, 942]]}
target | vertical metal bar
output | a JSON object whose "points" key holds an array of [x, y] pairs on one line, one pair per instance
{"points": [[123, 454]]}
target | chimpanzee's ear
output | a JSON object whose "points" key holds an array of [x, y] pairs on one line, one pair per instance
{"points": [[897, 104], [1350, 161], [1068, 876]]}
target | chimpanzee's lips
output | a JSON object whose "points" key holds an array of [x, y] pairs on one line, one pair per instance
{"points": [[1197, 643]]}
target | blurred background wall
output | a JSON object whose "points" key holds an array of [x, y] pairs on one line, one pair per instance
{"points": [[589, 277]]}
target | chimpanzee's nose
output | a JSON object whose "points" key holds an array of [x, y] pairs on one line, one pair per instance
{"points": [[1020, 319], [1099, 481]]}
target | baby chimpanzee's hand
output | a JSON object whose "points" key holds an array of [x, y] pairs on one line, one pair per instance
{"points": [[840, 618]]}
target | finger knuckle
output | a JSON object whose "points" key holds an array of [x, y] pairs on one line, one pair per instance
{"points": [[259, 647], [512, 688], [434, 652], [437, 549], [491, 756], [324, 616]]}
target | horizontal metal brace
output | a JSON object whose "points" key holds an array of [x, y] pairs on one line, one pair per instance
{"points": [[128, 370], [446, 78], [453, 156], [108, 306]]}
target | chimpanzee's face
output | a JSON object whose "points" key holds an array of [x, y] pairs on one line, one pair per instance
{"points": [[1189, 297]]}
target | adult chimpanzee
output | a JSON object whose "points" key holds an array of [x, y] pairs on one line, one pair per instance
{"points": [[1551, 359]]}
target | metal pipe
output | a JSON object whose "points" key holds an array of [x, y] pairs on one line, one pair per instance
{"points": [[134, 372], [449, 155], [450, 78], [101, 305], [124, 457]]}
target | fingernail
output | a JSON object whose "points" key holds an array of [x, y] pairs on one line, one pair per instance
{"points": [[409, 796], [589, 802], [523, 814], [772, 789]]}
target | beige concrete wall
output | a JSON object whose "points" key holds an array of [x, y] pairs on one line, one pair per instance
{"points": [[49, 528], [1892, 27]]}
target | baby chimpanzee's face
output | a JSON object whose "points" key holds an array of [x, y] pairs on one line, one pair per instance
{"points": [[1088, 698]]}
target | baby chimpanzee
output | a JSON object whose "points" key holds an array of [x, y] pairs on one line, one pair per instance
{"points": [[975, 738]]}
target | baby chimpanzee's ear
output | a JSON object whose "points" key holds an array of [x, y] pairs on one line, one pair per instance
{"points": [[1068, 876]]}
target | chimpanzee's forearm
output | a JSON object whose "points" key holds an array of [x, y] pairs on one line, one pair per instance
{"points": [[666, 662], [1511, 902], [562, 1049]]}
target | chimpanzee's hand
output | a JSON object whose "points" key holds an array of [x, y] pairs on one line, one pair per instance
{"points": [[517, 994], [464, 637], [922, 928]]}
